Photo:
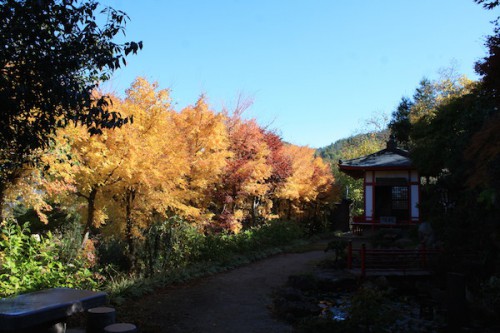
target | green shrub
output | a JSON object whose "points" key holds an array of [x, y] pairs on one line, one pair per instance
{"points": [[169, 244], [338, 245], [221, 247], [490, 296], [370, 310], [174, 250], [112, 255], [31, 262], [215, 248], [176, 243]]}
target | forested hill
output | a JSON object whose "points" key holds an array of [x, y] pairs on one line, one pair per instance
{"points": [[348, 148], [336, 151]]}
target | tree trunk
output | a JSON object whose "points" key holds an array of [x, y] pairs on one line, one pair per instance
{"points": [[90, 214], [2, 200], [130, 196], [253, 211]]}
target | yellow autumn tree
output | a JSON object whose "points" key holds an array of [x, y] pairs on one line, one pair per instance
{"points": [[25, 190], [83, 165], [310, 178], [127, 174], [206, 140], [218, 171], [152, 174]]}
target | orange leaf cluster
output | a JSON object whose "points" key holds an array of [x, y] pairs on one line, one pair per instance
{"points": [[216, 170]]}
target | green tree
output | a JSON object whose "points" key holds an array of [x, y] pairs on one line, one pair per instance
{"points": [[424, 100], [412, 116], [53, 56], [484, 154], [353, 147], [445, 148], [439, 143], [400, 124], [489, 67], [358, 146]]}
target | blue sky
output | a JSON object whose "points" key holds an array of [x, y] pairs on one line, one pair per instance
{"points": [[315, 69]]}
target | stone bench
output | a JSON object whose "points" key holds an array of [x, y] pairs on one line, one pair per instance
{"points": [[45, 310]]}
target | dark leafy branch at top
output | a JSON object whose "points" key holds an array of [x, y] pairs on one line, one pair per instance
{"points": [[489, 67], [488, 4], [53, 54]]}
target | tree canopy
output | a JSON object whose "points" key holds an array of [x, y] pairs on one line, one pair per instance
{"points": [[53, 55], [451, 127], [218, 171], [489, 67]]}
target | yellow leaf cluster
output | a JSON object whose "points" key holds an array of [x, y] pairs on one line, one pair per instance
{"points": [[212, 169]]}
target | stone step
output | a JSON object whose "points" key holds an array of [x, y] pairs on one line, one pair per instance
{"points": [[121, 328]]}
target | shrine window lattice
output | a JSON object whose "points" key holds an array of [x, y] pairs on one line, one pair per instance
{"points": [[400, 197]]}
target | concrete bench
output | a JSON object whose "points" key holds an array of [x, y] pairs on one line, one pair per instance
{"points": [[45, 310]]}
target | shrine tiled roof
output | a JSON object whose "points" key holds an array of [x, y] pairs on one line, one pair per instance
{"points": [[391, 158]]}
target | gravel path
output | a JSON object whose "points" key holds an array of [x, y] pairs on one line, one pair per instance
{"points": [[236, 301]]}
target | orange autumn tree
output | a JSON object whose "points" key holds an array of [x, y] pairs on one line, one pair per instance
{"points": [[281, 164], [266, 178], [206, 140], [310, 179], [326, 193], [244, 181], [217, 171]]}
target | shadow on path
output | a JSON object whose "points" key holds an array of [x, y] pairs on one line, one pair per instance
{"points": [[234, 301]]}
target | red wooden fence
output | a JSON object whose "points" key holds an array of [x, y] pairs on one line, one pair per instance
{"points": [[389, 259]]}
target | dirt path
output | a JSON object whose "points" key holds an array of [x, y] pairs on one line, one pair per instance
{"points": [[234, 301]]}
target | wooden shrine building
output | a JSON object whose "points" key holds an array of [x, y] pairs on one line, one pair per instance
{"points": [[391, 187]]}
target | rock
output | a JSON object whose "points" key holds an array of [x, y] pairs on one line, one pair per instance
{"points": [[337, 284]]}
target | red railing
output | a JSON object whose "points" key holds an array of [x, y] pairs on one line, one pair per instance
{"points": [[389, 259], [358, 219], [360, 222]]}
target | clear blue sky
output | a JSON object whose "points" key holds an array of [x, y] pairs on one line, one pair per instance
{"points": [[315, 69]]}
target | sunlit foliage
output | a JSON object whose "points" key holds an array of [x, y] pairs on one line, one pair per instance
{"points": [[218, 171]]}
